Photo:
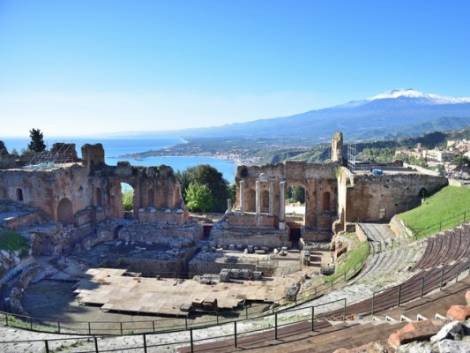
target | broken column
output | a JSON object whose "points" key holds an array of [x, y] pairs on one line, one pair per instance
{"points": [[337, 148], [271, 197], [282, 206], [242, 201], [229, 204], [258, 197]]}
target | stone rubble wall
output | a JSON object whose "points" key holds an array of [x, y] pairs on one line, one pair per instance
{"points": [[165, 234]]}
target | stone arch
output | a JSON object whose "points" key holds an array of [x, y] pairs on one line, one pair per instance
{"points": [[65, 211], [326, 201], [251, 201], [19, 195], [99, 197], [265, 201]]}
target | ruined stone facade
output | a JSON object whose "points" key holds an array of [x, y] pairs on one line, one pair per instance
{"points": [[89, 191], [364, 197], [261, 193]]}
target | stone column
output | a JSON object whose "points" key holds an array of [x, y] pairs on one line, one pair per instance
{"points": [[242, 196], [229, 204], [282, 205], [258, 197], [271, 197]]}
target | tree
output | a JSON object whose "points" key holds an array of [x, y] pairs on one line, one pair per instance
{"points": [[296, 194], [212, 178], [37, 141], [199, 198], [128, 200]]}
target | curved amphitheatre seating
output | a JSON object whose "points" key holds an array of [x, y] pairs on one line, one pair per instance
{"points": [[446, 247], [435, 272], [390, 255]]}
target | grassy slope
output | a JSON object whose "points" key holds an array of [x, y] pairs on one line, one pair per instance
{"points": [[12, 241], [445, 208]]}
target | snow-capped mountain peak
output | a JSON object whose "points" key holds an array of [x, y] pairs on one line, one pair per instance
{"points": [[429, 97]]}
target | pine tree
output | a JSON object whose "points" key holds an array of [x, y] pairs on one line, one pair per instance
{"points": [[37, 141]]}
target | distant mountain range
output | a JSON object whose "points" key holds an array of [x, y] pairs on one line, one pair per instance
{"points": [[397, 113]]}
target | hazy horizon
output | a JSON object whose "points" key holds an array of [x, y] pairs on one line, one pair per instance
{"points": [[98, 68]]}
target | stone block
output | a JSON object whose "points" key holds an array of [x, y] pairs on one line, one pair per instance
{"points": [[415, 331], [458, 312]]}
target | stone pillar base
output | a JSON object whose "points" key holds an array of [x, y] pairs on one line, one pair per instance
{"points": [[282, 225]]}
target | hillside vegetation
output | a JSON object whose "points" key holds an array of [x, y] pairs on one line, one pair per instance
{"points": [[444, 210], [12, 241], [352, 260]]}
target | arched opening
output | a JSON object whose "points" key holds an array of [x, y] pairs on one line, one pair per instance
{"points": [[251, 201], [295, 212], [151, 198], [423, 193], [326, 201], [19, 195], [127, 199], [99, 197], [65, 211], [265, 201]]}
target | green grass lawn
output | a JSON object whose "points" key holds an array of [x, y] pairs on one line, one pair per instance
{"points": [[12, 241], [444, 210], [354, 259]]}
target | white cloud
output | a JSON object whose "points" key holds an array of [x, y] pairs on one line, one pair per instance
{"points": [[82, 114]]}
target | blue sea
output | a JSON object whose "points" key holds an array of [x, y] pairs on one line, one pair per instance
{"points": [[116, 147]]}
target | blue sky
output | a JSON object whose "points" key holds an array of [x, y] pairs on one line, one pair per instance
{"points": [[88, 67]]}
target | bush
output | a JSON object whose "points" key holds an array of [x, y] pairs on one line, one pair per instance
{"points": [[13, 241]]}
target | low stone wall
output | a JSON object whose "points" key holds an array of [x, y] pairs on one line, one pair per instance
{"points": [[156, 267], [158, 233], [399, 228], [163, 216], [361, 235], [313, 236], [21, 283], [17, 222], [250, 219], [271, 238], [197, 267]]}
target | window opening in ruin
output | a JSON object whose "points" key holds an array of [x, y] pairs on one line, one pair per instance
{"points": [[265, 201], [19, 195], [127, 199], [251, 201], [326, 201], [65, 211], [295, 205]]}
